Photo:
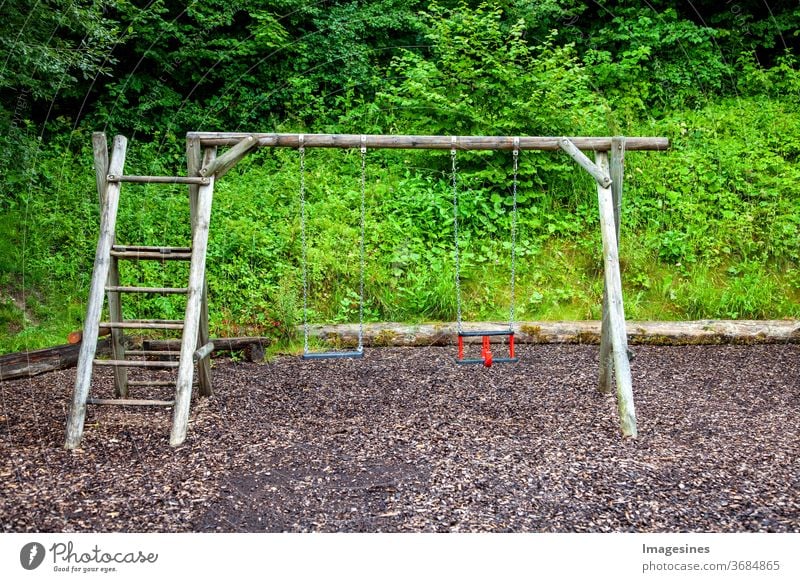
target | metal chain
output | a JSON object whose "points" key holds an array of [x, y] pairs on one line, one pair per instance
{"points": [[302, 151], [514, 236], [454, 174], [362, 258]]}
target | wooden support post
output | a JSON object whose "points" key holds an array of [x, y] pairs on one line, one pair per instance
{"points": [[616, 312], [194, 161], [102, 263], [616, 171], [100, 147], [183, 390]]}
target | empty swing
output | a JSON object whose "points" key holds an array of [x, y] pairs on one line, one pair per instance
{"points": [[359, 351], [486, 358]]}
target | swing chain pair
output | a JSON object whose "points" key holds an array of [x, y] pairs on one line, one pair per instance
{"points": [[454, 184], [362, 259], [453, 180], [514, 235], [304, 244], [302, 151]]}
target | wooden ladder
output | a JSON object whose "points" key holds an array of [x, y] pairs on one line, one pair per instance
{"points": [[195, 345]]}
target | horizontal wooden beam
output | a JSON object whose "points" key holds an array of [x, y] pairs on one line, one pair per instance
{"points": [[159, 179], [144, 324], [161, 290], [129, 402], [136, 364], [431, 142]]}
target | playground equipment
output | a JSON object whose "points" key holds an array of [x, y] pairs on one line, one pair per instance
{"points": [[204, 168], [487, 358], [359, 351]]}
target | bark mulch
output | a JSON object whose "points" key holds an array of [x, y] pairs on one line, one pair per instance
{"points": [[404, 440]]}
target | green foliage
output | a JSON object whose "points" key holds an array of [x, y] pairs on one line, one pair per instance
{"points": [[48, 46], [211, 64], [644, 60], [482, 79]]}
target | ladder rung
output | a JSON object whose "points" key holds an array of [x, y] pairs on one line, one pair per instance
{"points": [[130, 402], [152, 255], [152, 353], [159, 179], [144, 324], [145, 248], [136, 364], [165, 290]]}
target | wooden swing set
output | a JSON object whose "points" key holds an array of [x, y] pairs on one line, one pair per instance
{"points": [[205, 167]]}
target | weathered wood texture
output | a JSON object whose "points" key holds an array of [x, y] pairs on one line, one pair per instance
{"points": [[252, 347], [159, 179], [600, 176], [664, 333], [194, 161], [100, 147], [616, 172], [669, 333], [226, 161], [102, 263], [615, 309], [27, 364], [129, 402], [194, 302], [203, 352], [439, 142]]}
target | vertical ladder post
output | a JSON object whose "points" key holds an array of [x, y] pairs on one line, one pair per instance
{"points": [[194, 161], [100, 147], [94, 308], [616, 172], [183, 389], [616, 312]]}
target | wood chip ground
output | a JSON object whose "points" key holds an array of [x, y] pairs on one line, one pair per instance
{"points": [[406, 441]]}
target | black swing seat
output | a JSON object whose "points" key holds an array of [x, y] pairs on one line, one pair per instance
{"points": [[332, 355], [483, 333]]}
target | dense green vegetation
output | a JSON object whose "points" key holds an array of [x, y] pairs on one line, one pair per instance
{"points": [[710, 228]]}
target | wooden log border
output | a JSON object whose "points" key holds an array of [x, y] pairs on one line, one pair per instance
{"points": [[650, 333]]}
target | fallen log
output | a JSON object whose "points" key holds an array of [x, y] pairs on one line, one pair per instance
{"points": [[672, 333], [663, 333], [253, 348], [27, 364]]}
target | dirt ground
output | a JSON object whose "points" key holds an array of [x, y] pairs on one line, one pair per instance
{"points": [[406, 441]]}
